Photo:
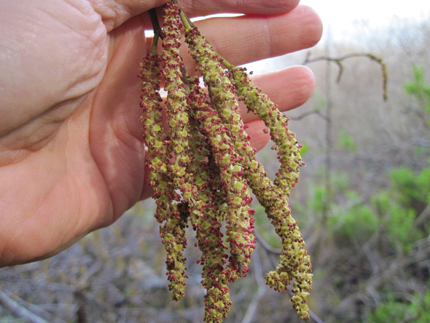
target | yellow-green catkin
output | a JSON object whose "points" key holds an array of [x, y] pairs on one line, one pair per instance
{"points": [[216, 276], [239, 220], [238, 216], [190, 171], [285, 140], [294, 262], [157, 161], [176, 102], [153, 135], [210, 242]]}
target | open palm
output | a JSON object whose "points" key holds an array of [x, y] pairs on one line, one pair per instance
{"points": [[71, 152]]}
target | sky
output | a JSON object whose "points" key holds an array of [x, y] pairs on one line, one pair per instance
{"points": [[345, 19], [341, 17]]}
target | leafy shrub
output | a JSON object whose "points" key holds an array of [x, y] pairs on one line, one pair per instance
{"points": [[392, 310], [419, 88], [358, 222]]}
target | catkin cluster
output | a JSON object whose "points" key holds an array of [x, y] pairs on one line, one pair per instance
{"points": [[207, 157]]}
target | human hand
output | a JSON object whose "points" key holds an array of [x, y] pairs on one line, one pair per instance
{"points": [[71, 152]]}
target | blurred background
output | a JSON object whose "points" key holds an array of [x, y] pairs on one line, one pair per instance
{"points": [[363, 201]]}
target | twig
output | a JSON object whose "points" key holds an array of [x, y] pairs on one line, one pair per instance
{"points": [[19, 310], [315, 317], [339, 60], [157, 30], [306, 114], [252, 307], [265, 245], [423, 217]]}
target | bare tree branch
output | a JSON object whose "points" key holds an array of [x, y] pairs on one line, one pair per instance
{"points": [[306, 114], [19, 310], [265, 245], [339, 60], [258, 274], [423, 217]]}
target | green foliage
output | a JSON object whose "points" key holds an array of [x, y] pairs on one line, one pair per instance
{"points": [[319, 199], [381, 203], [419, 88], [396, 208], [423, 183], [411, 189], [392, 310], [405, 185], [409, 195], [341, 182], [358, 222], [401, 228], [346, 141]]}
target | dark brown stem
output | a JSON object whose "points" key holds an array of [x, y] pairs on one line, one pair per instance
{"points": [[157, 30]]}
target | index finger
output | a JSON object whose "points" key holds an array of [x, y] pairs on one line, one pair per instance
{"points": [[204, 7], [115, 12]]}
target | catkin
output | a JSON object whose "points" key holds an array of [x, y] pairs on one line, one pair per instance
{"points": [[213, 167]]}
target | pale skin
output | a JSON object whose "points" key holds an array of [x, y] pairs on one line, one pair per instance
{"points": [[71, 151]]}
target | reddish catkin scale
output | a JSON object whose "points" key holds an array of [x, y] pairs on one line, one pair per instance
{"points": [[213, 166]]}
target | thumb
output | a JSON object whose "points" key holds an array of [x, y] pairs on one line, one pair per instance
{"points": [[115, 12]]}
